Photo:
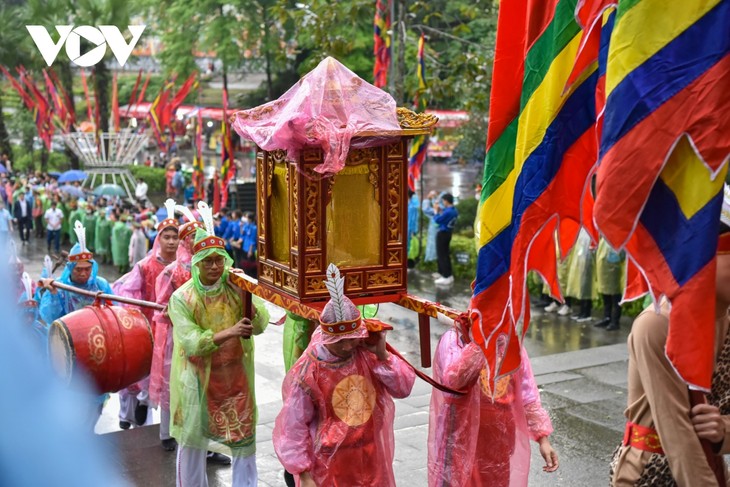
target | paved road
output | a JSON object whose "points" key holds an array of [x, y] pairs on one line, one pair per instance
{"points": [[581, 372]]}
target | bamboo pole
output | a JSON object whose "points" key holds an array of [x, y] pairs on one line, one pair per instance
{"points": [[109, 297]]}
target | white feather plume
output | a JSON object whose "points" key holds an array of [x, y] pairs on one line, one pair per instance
{"points": [[207, 214], [170, 207], [48, 266], [185, 211], [13, 251], [336, 286], [81, 235], [28, 285]]}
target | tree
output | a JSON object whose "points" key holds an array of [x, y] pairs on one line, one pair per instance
{"points": [[10, 53]]}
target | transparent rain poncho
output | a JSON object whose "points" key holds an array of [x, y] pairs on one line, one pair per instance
{"points": [[212, 392], [472, 440], [325, 109], [581, 276]]}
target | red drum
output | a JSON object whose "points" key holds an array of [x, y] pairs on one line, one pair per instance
{"points": [[113, 345]]}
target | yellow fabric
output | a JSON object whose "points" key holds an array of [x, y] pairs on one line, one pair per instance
{"points": [[279, 215], [645, 29], [353, 219]]}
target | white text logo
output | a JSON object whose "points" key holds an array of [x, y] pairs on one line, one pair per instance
{"points": [[71, 36]]}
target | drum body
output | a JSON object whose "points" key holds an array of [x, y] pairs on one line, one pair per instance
{"points": [[111, 344]]}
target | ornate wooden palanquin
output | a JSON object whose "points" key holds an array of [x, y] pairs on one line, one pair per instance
{"points": [[356, 218]]}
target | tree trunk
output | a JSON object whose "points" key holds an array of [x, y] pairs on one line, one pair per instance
{"points": [[66, 78], [401, 55], [101, 87], [5, 147], [44, 159], [267, 55]]}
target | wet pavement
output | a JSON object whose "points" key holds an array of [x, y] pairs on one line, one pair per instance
{"points": [[581, 372]]}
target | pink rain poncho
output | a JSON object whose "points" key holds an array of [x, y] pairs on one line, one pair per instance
{"points": [[337, 418], [171, 279], [325, 109], [473, 441]]}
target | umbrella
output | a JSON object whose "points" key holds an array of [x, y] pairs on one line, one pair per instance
{"points": [[110, 190], [55, 175], [72, 175], [74, 191]]}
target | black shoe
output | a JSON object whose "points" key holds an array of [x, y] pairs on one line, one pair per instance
{"points": [[140, 414], [218, 459], [603, 323], [612, 327], [125, 425], [169, 444]]}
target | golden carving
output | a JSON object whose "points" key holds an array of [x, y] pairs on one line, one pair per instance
{"points": [[362, 156], [267, 273], [409, 119], [374, 178], [395, 151], [97, 345], [315, 285], [311, 226], [278, 155], [312, 155], [291, 282], [383, 279], [294, 259], [353, 281], [394, 256], [313, 263], [294, 206], [277, 277], [261, 190], [394, 196], [269, 175]]}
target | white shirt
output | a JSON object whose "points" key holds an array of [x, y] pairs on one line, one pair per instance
{"points": [[23, 207], [53, 217], [140, 191]]}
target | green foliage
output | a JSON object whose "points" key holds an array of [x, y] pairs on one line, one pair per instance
{"points": [[473, 144], [153, 176], [24, 160], [467, 208]]}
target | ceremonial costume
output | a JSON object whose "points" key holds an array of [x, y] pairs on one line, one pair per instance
{"points": [[139, 283], [103, 236], [473, 441], [60, 303], [212, 394], [337, 419], [169, 280]]}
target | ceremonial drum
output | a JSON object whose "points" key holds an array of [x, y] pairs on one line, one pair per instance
{"points": [[111, 344]]}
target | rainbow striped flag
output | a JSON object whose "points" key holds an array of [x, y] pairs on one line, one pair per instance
{"points": [[157, 115], [666, 130], [198, 162], [381, 37], [541, 149], [419, 146]]}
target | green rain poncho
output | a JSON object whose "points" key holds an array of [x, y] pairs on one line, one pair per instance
{"points": [[212, 393], [74, 216], [581, 274], [89, 222], [609, 268], [121, 235], [103, 236]]}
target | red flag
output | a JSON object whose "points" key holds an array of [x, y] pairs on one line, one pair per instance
{"points": [[86, 95], [115, 103], [133, 95], [183, 92], [382, 43], [67, 101], [140, 99], [228, 168], [27, 99]]}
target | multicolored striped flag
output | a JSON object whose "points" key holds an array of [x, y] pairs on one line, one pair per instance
{"points": [[419, 146], [157, 115], [228, 168], [381, 36], [665, 130], [198, 162], [541, 148]]}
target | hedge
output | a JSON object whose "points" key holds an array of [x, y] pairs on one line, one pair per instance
{"points": [[153, 176]]}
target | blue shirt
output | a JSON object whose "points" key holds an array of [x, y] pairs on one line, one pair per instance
{"points": [[249, 237], [446, 219], [220, 230], [4, 219]]}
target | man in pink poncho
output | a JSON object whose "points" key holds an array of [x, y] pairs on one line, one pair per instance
{"points": [[472, 440], [169, 280], [139, 283], [336, 426]]}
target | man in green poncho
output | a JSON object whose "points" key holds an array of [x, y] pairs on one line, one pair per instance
{"points": [[89, 221], [212, 393], [103, 235], [121, 236], [76, 214]]}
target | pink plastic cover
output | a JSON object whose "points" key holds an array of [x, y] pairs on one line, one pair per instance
{"points": [[325, 108]]}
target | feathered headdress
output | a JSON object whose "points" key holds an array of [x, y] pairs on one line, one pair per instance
{"points": [[28, 287], [80, 252], [47, 271], [170, 221], [205, 238], [339, 316], [192, 223]]}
